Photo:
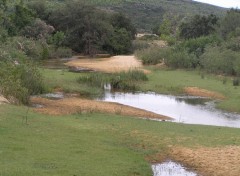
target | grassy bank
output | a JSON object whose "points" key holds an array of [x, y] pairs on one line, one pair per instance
{"points": [[173, 82], [93, 144], [159, 80]]}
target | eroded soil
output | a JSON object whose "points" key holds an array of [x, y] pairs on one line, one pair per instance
{"points": [[77, 105]]}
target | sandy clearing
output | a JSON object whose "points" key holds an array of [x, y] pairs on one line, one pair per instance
{"points": [[76, 105], [223, 161], [109, 65], [195, 91]]}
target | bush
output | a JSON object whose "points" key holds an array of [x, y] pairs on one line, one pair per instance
{"points": [[140, 45], [19, 80], [125, 81], [180, 59], [153, 55], [61, 52], [236, 82], [221, 61]]}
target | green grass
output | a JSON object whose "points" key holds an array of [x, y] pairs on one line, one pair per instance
{"points": [[93, 144], [173, 82], [68, 82]]}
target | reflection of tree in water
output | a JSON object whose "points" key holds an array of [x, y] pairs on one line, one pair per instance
{"points": [[193, 101]]}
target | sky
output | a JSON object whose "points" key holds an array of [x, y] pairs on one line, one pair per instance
{"points": [[223, 3]]}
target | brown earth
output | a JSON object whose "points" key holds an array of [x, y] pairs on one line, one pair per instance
{"points": [[195, 91], [210, 161], [3, 100], [76, 105], [108, 65]]}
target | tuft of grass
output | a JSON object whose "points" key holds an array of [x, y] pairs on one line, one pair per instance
{"points": [[125, 81]]}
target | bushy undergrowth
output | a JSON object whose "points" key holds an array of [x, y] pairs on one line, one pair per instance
{"points": [[125, 81], [19, 80], [152, 56], [221, 61]]}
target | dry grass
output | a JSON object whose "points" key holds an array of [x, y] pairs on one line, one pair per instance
{"points": [[109, 65], [77, 105]]}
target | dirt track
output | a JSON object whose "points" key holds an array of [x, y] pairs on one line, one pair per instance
{"points": [[76, 105], [108, 65]]}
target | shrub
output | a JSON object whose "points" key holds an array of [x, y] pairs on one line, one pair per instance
{"points": [[236, 82], [19, 80], [221, 61], [153, 55], [125, 81], [180, 59]]}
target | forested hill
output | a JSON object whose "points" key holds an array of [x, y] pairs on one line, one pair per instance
{"points": [[147, 13]]}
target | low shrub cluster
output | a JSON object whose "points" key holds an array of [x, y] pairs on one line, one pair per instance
{"points": [[124, 81]]}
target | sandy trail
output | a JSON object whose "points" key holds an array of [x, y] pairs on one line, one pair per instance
{"points": [[77, 105], [223, 161], [109, 65]]}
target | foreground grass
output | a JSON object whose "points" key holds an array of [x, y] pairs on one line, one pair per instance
{"points": [[94, 144], [173, 82]]}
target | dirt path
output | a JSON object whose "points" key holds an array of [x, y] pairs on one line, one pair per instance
{"points": [[109, 65], [211, 161], [76, 105]]}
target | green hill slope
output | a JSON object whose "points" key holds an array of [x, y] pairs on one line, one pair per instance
{"points": [[147, 13]]}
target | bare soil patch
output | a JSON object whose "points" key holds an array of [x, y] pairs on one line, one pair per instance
{"points": [[211, 161], [76, 105], [195, 91], [3, 100], [109, 65]]}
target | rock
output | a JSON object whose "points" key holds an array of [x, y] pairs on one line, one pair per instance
{"points": [[79, 69]]}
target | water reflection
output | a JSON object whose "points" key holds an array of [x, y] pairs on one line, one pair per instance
{"points": [[184, 109], [170, 169]]}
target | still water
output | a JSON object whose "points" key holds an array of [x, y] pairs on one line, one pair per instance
{"points": [[170, 169], [183, 109]]}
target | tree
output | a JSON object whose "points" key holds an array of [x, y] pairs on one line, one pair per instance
{"points": [[230, 23], [198, 26]]}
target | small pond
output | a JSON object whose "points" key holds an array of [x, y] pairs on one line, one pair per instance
{"points": [[170, 169], [184, 109]]}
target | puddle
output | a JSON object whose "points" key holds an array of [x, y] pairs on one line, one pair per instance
{"points": [[170, 169], [55, 63], [184, 109], [53, 96]]}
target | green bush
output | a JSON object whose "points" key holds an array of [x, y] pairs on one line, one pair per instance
{"points": [[140, 45], [153, 55], [180, 59], [221, 61], [125, 81], [236, 82], [19, 80]]}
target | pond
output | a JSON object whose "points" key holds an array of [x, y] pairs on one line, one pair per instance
{"points": [[183, 109], [170, 168]]}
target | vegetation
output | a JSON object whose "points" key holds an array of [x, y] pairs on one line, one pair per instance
{"points": [[125, 81]]}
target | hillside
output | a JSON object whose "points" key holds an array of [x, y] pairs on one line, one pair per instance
{"points": [[147, 13]]}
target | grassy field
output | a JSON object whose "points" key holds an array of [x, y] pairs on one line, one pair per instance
{"points": [[93, 144], [173, 82]]}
